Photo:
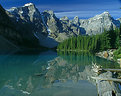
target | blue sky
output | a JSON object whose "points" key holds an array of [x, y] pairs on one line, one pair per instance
{"points": [[71, 8]]}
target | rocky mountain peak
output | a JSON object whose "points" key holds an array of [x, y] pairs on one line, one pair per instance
{"points": [[98, 23], [26, 6], [29, 17], [29, 4], [12, 9], [104, 15], [65, 18], [25, 13], [76, 20], [49, 13]]}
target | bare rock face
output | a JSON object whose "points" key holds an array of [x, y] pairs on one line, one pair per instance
{"points": [[44, 27], [91, 26], [29, 14], [16, 32], [75, 26], [52, 23], [58, 30], [28, 18], [71, 27], [99, 23], [66, 29]]}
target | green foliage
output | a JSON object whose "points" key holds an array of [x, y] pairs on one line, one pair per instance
{"points": [[117, 53], [104, 40], [115, 36], [94, 43], [85, 43]]}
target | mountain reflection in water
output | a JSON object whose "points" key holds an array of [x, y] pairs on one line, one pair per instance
{"points": [[48, 74]]}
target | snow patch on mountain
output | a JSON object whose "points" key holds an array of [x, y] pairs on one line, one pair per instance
{"points": [[29, 4]]}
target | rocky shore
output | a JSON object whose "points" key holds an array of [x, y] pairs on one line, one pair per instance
{"points": [[108, 55]]}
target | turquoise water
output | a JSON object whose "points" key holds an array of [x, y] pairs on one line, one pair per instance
{"points": [[48, 74]]}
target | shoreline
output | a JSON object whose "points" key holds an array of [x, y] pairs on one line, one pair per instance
{"points": [[108, 54]]}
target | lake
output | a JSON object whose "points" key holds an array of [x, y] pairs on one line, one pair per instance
{"points": [[35, 73]]}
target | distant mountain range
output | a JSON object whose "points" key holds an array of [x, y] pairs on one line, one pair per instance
{"points": [[26, 27]]}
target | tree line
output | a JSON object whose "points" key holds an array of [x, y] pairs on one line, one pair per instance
{"points": [[94, 43]]}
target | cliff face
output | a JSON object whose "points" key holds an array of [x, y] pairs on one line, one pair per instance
{"points": [[19, 33], [30, 19], [8, 34], [65, 28], [7, 29], [97, 24], [29, 14], [26, 26]]}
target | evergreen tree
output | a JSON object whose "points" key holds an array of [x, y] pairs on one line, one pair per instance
{"points": [[104, 41]]}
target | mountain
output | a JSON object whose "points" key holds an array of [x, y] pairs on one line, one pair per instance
{"points": [[119, 19], [6, 46], [64, 28], [99, 23], [34, 29], [29, 16], [8, 34], [18, 33]]}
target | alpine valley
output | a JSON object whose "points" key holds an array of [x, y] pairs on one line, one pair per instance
{"points": [[26, 27], [43, 55]]}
